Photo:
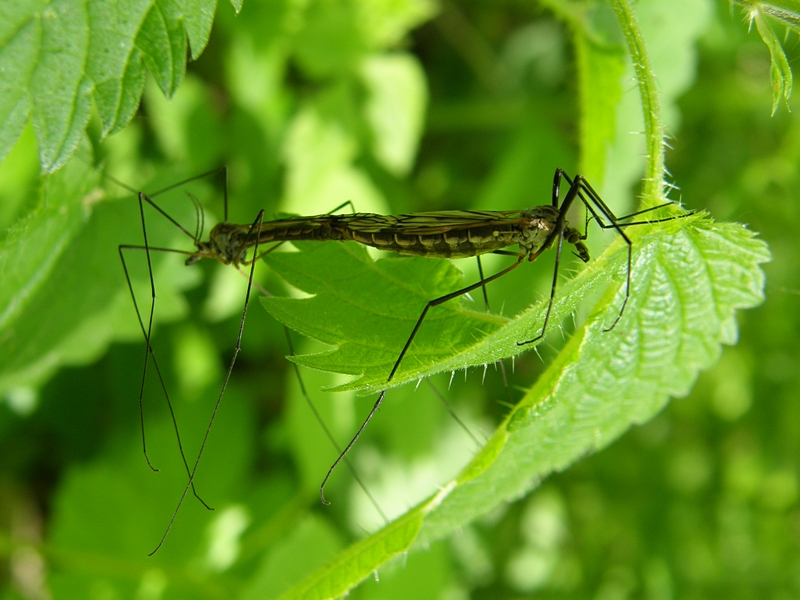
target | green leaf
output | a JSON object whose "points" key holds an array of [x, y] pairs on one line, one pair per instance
{"points": [[61, 260], [690, 283], [779, 70], [368, 308], [787, 13], [34, 243], [690, 277], [362, 558], [57, 57], [398, 99], [312, 539]]}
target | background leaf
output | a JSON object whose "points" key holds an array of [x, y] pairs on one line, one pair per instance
{"points": [[787, 14], [57, 57], [58, 262]]}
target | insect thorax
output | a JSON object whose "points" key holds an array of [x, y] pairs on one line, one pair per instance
{"points": [[227, 242], [539, 224]]}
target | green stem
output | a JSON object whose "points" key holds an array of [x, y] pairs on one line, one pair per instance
{"points": [[653, 192]]}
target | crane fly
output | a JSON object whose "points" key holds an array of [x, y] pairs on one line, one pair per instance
{"points": [[447, 234], [443, 234]]}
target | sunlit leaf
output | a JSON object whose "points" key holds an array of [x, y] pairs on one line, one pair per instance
{"points": [[691, 280]]}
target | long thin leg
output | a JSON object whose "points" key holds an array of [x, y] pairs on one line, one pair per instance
{"points": [[600, 213], [486, 305], [238, 345], [320, 420], [147, 332], [595, 205], [552, 297], [606, 211], [328, 432], [318, 416], [382, 395], [151, 352], [256, 226]]}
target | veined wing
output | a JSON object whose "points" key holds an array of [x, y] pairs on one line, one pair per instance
{"points": [[427, 223]]}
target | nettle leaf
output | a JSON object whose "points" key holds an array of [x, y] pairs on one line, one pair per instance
{"points": [[56, 57], [689, 278], [367, 309]]}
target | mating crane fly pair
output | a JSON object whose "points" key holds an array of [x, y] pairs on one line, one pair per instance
{"points": [[444, 234]]}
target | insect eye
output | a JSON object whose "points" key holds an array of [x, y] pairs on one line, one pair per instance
{"points": [[581, 250]]}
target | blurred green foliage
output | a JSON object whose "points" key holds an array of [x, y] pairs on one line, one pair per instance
{"points": [[398, 106]]}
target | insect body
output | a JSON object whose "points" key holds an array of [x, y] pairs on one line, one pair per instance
{"points": [[444, 234]]}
